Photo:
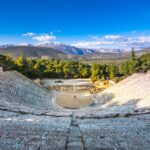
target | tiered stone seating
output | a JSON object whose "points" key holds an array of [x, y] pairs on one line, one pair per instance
{"points": [[116, 133], [20, 93], [25, 132], [128, 96], [30, 118]]}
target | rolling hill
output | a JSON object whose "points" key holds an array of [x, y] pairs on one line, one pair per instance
{"points": [[30, 51]]}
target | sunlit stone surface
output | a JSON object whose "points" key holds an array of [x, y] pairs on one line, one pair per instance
{"points": [[30, 118], [131, 133], [33, 132]]}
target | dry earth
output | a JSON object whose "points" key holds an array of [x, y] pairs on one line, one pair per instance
{"points": [[74, 99]]}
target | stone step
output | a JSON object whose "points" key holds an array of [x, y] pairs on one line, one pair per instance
{"points": [[75, 146], [75, 139]]}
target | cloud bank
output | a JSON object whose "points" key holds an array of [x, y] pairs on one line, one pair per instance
{"points": [[42, 38], [115, 41], [97, 42]]}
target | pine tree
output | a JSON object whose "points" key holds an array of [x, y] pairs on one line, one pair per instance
{"points": [[125, 68], [113, 71], [133, 56]]}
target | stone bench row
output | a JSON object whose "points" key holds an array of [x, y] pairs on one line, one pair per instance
{"points": [[22, 90], [18, 79], [29, 86], [30, 97], [22, 93], [25, 132]]}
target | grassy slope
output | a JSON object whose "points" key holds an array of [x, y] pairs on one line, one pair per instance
{"points": [[29, 51]]}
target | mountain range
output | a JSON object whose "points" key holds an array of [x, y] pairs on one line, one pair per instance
{"points": [[62, 51], [68, 49]]}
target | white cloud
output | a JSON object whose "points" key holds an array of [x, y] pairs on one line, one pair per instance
{"points": [[29, 34], [144, 39], [44, 38], [115, 41], [97, 42], [41, 37], [23, 44], [93, 44], [113, 37]]}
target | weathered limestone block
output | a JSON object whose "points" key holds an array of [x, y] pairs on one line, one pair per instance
{"points": [[74, 139], [75, 146]]}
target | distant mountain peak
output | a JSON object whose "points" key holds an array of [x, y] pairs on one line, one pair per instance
{"points": [[72, 50], [68, 49]]}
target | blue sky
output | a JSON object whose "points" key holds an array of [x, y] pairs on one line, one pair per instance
{"points": [[83, 23]]}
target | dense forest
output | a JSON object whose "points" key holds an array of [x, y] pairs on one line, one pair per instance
{"points": [[53, 68]]}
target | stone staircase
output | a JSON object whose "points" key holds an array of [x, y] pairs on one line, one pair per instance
{"points": [[75, 139]]}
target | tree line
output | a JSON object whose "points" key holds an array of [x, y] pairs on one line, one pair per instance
{"points": [[53, 68]]}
